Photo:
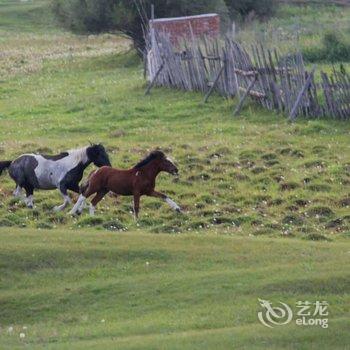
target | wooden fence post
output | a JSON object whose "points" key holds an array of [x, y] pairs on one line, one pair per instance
{"points": [[149, 87], [240, 104], [214, 83], [281, 84], [294, 110]]}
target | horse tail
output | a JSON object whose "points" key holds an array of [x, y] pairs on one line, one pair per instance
{"points": [[4, 165]]}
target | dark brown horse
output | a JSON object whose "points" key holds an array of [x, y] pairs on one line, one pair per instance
{"points": [[137, 181]]}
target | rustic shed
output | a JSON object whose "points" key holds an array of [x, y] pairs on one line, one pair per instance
{"points": [[178, 28]]}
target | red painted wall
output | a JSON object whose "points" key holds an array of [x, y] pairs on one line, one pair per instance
{"points": [[180, 27]]}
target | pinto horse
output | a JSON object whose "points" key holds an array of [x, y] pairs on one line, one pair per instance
{"points": [[63, 171], [137, 181]]}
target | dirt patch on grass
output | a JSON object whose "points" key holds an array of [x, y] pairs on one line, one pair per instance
{"points": [[320, 212], [345, 202], [289, 186], [292, 219]]}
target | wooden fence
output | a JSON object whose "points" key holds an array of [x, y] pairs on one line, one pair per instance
{"points": [[280, 83]]}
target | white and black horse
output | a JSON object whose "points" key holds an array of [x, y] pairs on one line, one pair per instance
{"points": [[63, 171]]}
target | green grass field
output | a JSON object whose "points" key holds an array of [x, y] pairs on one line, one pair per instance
{"points": [[299, 27], [266, 207], [142, 291]]}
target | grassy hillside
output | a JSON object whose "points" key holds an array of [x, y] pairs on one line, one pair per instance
{"points": [[169, 281], [32, 16], [255, 174], [30, 36], [72, 290], [300, 27]]}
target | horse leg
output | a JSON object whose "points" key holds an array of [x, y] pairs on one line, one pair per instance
{"points": [[136, 205], [18, 191], [29, 196], [165, 198], [66, 198], [86, 192], [78, 206], [98, 197]]}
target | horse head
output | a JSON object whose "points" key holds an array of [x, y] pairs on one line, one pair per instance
{"points": [[167, 165], [98, 155]]}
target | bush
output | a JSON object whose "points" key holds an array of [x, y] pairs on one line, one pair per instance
{"points": [[258, 8], [85, 15], [95, 16], [335, 48]]}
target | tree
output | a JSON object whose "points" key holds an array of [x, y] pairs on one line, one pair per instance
{"points": [[128, 16]]}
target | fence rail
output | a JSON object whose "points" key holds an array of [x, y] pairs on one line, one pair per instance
{"points": [[280, 83]]}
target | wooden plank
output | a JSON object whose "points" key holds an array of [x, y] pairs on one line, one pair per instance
{"points": [[253, 93], [149, 87], [280, 85], [240, 104], [244, 73], [294, 110], [214, 83]]}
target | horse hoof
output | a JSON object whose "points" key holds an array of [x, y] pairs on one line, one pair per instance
{"points": [[56, 209], [75, 213]]}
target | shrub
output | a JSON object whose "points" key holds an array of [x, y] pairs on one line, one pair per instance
{"points": [[335, 48], [258, 8], [95, 16], [85, 15]]}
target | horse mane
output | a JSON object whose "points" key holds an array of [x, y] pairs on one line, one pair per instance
{"points": [[79, 154], [153, 155], [56, 156]]}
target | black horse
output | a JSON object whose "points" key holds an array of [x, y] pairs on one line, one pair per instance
{"points": [[63, 171]]}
